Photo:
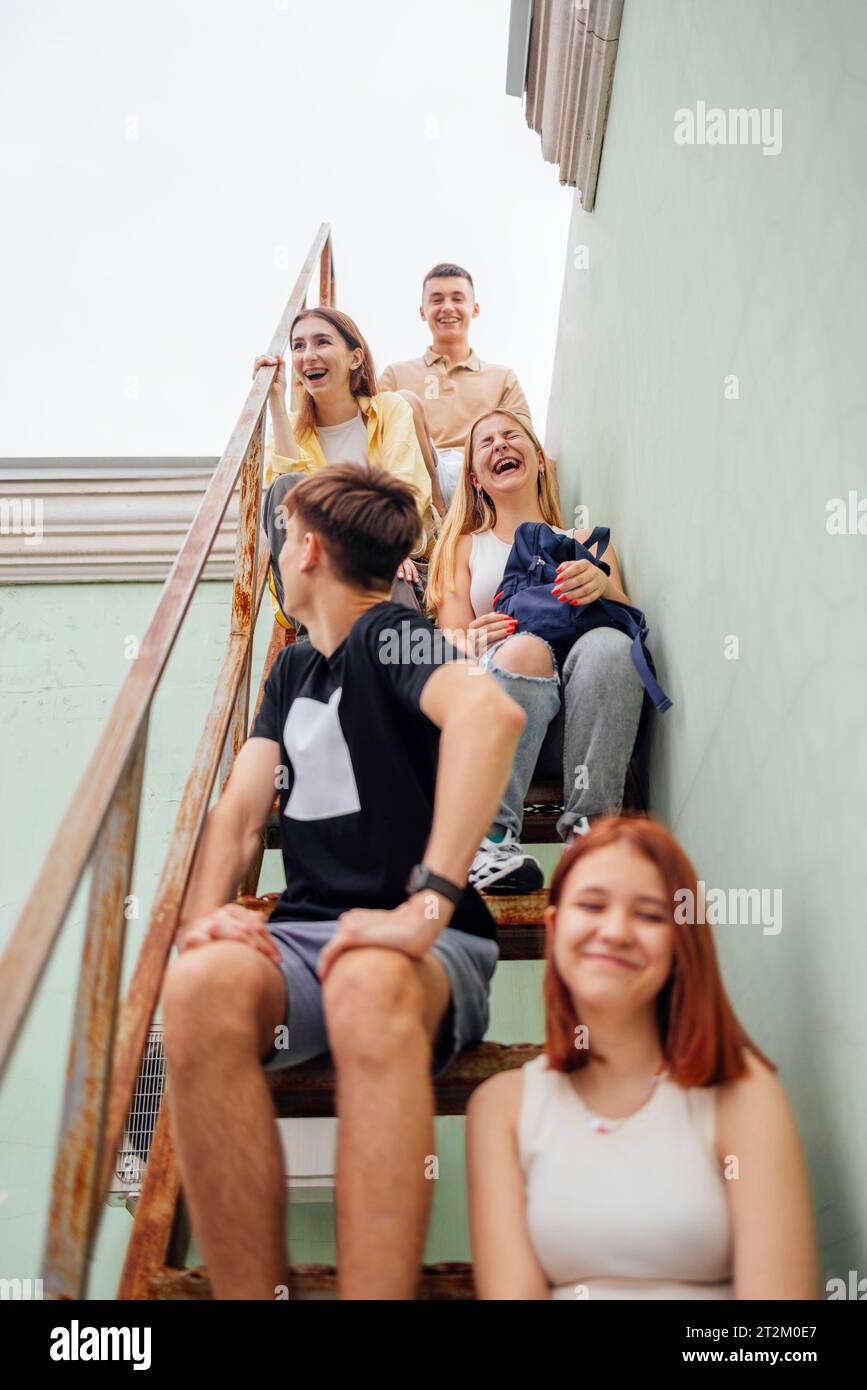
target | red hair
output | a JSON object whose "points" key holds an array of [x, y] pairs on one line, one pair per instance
{"points": [[701, 1037]]}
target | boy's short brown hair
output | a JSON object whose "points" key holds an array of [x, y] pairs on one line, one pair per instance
{"points": [[445, 270], [368, 520]]}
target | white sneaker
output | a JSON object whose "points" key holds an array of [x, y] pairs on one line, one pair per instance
{"points": [[578, 830], [505, 868]]}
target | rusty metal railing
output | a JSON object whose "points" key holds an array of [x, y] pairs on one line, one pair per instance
{"points": [[99, 829]]}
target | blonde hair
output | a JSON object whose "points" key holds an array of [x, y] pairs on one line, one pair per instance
{"points": [[473, 512]]}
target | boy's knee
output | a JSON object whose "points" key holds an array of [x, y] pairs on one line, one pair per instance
{"points": [[417, 406], [525, 655], [373, 1003], [210, 992]]}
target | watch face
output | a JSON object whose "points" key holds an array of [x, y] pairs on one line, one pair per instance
{"points": [[418, 878]]}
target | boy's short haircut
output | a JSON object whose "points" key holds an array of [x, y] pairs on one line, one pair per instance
{"points": [[444, 270], [368, 520]]}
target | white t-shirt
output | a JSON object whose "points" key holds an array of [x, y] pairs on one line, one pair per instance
{"points": [[346, 443], [488, 559]]}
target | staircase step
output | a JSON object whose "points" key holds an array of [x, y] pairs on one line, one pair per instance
{"points": [[541, 813], [519, 924], [307, 1091], [519, 921], [444, 1282]]}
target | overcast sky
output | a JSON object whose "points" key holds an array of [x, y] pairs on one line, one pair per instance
{"points": [[165, 164]]}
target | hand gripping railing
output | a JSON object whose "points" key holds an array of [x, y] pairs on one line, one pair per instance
{"points": [[99, 828]]}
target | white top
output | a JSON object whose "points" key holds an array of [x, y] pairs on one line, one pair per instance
{"points": [[488, 556], [638, 1211], [346, 443], [450, 464]]}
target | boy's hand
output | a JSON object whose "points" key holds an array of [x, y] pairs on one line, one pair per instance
{"points": [[230, 923], [580, 581], [412, 928]]}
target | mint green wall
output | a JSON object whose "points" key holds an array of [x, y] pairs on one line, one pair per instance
{"points": [[706, 262], [62, 660], [61, 664]]}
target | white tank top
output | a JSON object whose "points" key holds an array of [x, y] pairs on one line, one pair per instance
{"points": [[346, 443], [488, 556], [639, 1211]]}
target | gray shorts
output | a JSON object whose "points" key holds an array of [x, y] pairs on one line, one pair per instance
{"points": [[469, 960]]}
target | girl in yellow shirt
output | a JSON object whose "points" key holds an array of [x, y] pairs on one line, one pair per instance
{"points": [[341, 418]]}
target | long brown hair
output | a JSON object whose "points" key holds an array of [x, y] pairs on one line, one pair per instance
{"points": [[471, 511], [362, 379], [701, 1038]]}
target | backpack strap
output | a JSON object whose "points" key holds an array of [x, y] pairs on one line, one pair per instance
{"points": [[636, 624], [600, 536]]}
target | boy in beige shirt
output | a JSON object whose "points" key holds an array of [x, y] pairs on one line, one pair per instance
{"points": [[450, 386]]}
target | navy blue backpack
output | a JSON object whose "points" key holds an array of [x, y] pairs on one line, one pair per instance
{"points": [[526, 594]]}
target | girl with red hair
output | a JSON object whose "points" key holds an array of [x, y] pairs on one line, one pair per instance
{"points": [[650, 1150]]}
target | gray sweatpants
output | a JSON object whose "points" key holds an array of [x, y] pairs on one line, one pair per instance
{"points": [[591, 711]]}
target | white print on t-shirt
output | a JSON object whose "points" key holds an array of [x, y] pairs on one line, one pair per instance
{"points": [[324, 785]]}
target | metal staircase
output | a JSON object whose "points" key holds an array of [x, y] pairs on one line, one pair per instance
{"points": [[98, 831]]}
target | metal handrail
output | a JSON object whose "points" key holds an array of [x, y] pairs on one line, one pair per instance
{"points": [[99, 829]]}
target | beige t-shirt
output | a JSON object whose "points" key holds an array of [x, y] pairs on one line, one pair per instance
{"points": [[346, 443], [453, 397]]}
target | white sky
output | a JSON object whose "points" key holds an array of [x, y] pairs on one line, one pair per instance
{"points": [[165, 164]]}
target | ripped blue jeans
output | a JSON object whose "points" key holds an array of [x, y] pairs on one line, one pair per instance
{"points": [[602, 697], [539, 698]]}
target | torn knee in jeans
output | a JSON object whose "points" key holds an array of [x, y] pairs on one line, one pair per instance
{"points": [[525, 655]]}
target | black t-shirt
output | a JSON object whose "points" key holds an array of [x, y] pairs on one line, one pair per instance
{"points": [[357, 791]]}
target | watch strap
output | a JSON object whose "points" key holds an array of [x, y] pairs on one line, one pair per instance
{"points": [[422, 878]]}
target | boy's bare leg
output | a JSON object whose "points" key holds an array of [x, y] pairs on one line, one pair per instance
{"points": [[383, 1012], [426, 445], [221, 1005]]}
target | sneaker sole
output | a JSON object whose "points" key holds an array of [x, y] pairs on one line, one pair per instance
{"points": [[527, 879]]}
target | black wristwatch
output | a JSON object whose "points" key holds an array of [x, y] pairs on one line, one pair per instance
{"points": [[421, 878]]}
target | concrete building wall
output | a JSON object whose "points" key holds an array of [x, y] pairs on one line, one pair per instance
{"points": [[700, 264]]}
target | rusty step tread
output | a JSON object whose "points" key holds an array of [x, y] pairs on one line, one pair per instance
{"points": [[518, 919], [307, 1091], [541, 813], [453, 1280], [546, 793]]}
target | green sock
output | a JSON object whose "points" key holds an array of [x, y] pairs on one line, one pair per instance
{"points": [[496, 836]]}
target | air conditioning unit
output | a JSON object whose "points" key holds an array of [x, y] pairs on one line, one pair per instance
{"points": [[309, 1146]]}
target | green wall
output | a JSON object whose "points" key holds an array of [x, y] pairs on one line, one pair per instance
{"points": [[62, 661], [706, 262]]}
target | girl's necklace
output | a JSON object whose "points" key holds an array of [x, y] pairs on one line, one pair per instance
{"points": [[602, 1124]]}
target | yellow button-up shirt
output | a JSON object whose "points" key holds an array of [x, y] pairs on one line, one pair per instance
{"points": [[392, 444]]}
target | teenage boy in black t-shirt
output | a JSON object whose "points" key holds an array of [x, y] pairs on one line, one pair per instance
{"points": [[390, 754]]}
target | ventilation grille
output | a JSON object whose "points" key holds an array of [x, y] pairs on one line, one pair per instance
{"points": [[142, 1118]]}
